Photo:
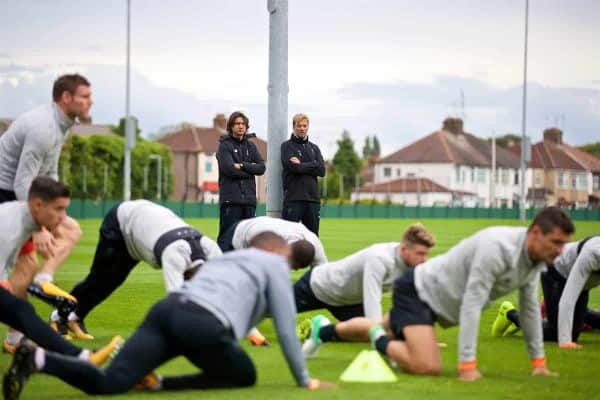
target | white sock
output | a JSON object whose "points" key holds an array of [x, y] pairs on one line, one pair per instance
{"points": [[39, 358], [84, 355], [54, 316], [73, 317], [43, 277], [254, 332], [13, 337]]}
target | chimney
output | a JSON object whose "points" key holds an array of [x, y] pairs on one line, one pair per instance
{"points": [[453, 125], [220, 122], [553, 135]]}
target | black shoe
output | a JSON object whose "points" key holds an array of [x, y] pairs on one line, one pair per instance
{"points": [[23, 365], [51, 294]]}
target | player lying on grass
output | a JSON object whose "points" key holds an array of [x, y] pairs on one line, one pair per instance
{"points": [[135, 231], [46, 206], [203, 321], [453, 289], [307, 249], [566, 285], [353, 286]]}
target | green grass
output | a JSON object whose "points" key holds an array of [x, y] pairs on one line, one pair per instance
{"points": [[503, 362]]}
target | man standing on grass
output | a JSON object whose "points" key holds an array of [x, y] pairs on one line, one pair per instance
{"points": [[352, 287], [31, 147], [453, 289], [135, 231], [46, 206], [302, 164], [239, 164], [203, 321], [566, 285]]}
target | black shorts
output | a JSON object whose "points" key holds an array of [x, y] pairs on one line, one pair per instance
{"points": [[6, 196], [408, 309], [226, 240], [306, 301]]}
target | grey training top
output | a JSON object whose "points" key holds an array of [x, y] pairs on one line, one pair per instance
{"points": [[16, 228], [457, 285], [142, 223], [361, 277], [31, 147], [582, 272], [240, 288]]}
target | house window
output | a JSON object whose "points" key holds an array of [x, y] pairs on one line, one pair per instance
{"points": [[516, 177], [481, 175], [398, 172], [387, 172], [538, 180], [581, 181], [562, 180], [472, 174], [457, 170], [208, 166], [596, 185], [505, 176]]}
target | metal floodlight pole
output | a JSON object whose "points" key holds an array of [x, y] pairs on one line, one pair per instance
{"points": [[278, 101], [524, 141], [127, 157]]}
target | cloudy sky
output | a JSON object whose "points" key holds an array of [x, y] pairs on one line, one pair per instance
{"points": [[392, 68]]}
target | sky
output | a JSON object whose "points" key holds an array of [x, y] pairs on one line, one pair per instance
{"points": [[391, 68]]}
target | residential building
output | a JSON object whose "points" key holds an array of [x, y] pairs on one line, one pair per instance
{"points": [[458, 161]]}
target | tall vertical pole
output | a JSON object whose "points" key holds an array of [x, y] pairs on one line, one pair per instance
{"points": [[278, 101], [493, 177], [524, 121], [127, 158]]}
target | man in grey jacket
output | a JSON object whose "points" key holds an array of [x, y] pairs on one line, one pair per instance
{"points": [[31, 147], [203, 321]]}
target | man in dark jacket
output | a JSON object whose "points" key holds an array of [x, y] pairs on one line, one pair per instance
{"points": [[302, 164], [239, 161]]}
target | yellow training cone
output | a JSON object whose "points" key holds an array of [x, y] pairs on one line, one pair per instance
{"points": [[368, 366]]}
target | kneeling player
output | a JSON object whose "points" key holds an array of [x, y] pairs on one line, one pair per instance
{"points": [[353, 286], [566, 285]]}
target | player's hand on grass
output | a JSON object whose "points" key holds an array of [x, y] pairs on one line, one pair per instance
{"points": [[570, 345], [317, 384], [469, 375], [44, 242], [543, 371]]}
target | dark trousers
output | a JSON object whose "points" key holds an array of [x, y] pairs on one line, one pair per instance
{"points": [[306, 301], [20, 315], [111, 266], [307, 212], [553, 285], [229, 215], [173, 327]]}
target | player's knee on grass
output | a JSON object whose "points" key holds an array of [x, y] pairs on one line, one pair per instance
{"points": [[425, 367]]}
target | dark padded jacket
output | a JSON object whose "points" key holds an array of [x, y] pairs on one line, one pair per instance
{"points": [[300, 180], [238, 186]]}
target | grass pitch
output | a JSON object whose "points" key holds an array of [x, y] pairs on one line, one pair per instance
{"points": [[503, 362]]}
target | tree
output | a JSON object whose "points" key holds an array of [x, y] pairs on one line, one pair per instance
{"points": [[367, 149], [376, 147], [592, 148], [346, 162]]}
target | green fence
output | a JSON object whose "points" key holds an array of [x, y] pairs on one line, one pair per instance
{"points": [[97, 209]]}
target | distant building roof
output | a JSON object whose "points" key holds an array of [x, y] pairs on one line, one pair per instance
{"points": [[409, 185], [552, 153], [91, 129], [452, 144]]}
